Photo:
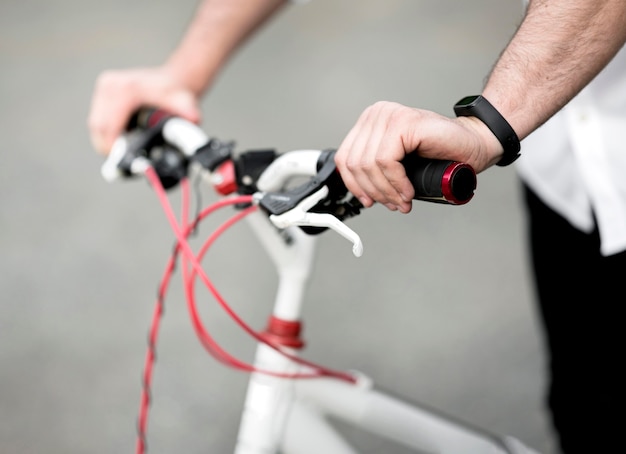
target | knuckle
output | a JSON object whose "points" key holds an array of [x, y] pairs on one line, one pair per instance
{"points": [[354, 165], [385, 163]]}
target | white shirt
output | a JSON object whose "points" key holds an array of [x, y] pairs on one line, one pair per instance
{"points": [[576, 162]]}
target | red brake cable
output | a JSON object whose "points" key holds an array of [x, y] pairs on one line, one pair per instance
{"points": [[192, 268]]}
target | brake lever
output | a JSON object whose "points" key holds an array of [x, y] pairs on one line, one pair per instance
{"points": [[302, 217], [167, 143], [122, 162], [110, 170]]}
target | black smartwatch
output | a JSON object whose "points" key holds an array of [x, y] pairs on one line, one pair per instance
{"points": [[479, 107]]}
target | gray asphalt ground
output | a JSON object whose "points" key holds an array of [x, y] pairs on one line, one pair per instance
{"points": [[439, 308]]}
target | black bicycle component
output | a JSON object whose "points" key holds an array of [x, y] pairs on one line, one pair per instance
{"points": [[339, 202], [214, 153], [249, 166], [145, 128], [280, 202], [436, 181], [210, 156], [140, 145], [440, 181], [170, 165]]}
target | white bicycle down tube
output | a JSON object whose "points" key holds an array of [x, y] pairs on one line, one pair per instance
{"points": [[391, 418]]}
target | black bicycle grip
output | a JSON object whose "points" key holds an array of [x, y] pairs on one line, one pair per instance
{"points": [[440, 181]]}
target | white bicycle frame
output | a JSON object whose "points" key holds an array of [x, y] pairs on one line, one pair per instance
{"points": [[290, 416]]}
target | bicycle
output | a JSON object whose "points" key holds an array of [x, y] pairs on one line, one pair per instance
{"points": [[288, 397]]}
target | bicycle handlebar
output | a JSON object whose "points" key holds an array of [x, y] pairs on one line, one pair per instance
{"points": [[170, 144], [438, 181]]}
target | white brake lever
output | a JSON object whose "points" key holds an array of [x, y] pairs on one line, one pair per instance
{"points": [[110, 171], [301, 216]]}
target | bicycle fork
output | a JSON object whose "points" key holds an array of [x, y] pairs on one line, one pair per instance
{"points": [[269, 397]]}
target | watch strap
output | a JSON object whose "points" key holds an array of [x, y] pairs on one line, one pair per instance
{"points": [[478, 106]]}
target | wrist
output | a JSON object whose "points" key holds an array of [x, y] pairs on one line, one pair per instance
{"points": [[480, 108], [190, 74], [487, 150]]}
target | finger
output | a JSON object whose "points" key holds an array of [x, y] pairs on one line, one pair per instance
{"points": [[356, 159], [107, 124], [398, 187], [341, 159], [395, 173], [110, 110], [379, 164], [359, 149], [363, 166]]}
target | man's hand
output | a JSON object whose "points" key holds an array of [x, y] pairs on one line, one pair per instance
{"points": [[118, 94], [369, 157]]}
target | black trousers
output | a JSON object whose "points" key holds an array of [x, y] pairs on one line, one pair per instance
{"points": [[581, 295]]}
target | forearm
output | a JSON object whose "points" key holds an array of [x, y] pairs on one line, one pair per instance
{"points": [[219, 27], [560, 47]]}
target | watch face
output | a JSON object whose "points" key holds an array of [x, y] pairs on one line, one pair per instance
{"points": [[468, 100]]}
